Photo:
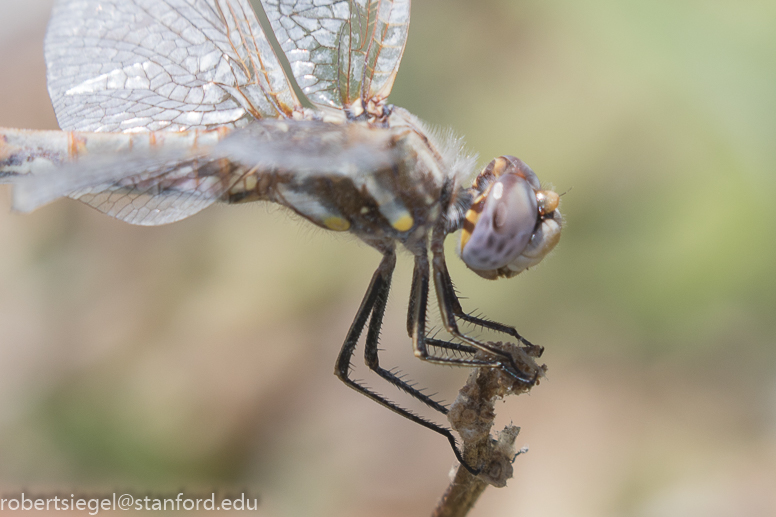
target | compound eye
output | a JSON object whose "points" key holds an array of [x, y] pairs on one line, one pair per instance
{"points": [[504, 228]]}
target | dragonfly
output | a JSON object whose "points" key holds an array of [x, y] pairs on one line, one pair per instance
{"points": [[169, 106]]}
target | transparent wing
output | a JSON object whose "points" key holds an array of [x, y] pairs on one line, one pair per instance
{"points": [[341, 50], [166, 192], [145, 188], [151, 187], [136, 65]]}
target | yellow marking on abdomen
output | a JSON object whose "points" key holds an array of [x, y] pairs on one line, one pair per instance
{"points": [[337, 224], [403, 223]]}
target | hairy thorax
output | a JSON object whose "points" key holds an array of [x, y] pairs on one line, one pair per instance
{"points": [[391, 194]]}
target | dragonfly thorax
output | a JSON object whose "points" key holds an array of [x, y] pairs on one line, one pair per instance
{"points": [[381, 181]]}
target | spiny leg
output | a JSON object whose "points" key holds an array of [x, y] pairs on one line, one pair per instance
{"points": [[419, 302], [448, 303], [371, 348], [448, 345], [381, 281], [457, 310]]}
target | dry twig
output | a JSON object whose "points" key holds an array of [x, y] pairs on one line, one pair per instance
{"points": [[472, 415]]}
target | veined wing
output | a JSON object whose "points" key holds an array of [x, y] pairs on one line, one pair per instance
{"points": [[168, 189], [138, 65], [151, 184], [341, 50]]}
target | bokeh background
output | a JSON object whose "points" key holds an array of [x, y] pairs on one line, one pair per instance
{"points": [[200, 354]]}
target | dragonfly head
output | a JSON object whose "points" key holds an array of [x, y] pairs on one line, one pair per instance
{"points": [[512, 224]]}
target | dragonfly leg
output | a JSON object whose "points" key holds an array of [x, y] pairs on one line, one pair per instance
{"points": [[450, 308], [371, 349], [374, 304], [420, 343], [455, 306], [449, 345], [458, 347]]}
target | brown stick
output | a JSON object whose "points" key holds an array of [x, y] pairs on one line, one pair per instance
{"points": [[472, 415]]}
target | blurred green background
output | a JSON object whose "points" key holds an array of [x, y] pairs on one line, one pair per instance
{"points": [[200, 354]]}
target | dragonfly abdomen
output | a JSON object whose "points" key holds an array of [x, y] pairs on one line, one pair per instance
{"points": [[24, 151]]}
